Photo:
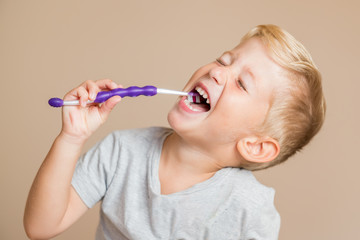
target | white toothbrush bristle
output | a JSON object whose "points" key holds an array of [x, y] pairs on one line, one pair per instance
{"points": [[194, 98], [197, 99]]}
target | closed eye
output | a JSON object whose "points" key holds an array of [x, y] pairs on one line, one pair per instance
{"points": [[220, 62], [241, 85]]}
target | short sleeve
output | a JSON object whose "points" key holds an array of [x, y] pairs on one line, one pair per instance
{"points": [[265, 222], [95, 170]]}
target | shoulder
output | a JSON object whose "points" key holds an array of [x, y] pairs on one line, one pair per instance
{"points": [[129, 139], [139, 141], [263, 220], [246, 186], [139, 134]]}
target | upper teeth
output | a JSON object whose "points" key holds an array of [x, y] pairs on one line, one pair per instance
{"points": [[203, 94]]}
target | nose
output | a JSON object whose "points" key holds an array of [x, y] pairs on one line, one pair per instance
{"points": [[218, 74]]}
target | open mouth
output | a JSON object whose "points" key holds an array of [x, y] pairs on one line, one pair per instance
{"points": [[198, 100]]}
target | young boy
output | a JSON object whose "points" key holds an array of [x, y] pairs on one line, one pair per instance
{"points": [[191, 181]]}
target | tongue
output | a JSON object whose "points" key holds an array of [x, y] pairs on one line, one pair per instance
{"points": [[202, 107]]}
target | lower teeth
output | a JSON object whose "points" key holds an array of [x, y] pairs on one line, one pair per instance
{"points": [[189, 105]]}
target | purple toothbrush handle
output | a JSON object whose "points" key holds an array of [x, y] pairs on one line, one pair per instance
{"points": [[132, 91], [101, 97]]}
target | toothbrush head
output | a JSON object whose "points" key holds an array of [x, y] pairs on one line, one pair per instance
{"points": [[197, 102], [195, 97]]}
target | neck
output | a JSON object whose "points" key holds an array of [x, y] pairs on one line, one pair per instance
{"points": [[186, 158]]}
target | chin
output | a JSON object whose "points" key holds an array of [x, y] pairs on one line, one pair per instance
{"points": [[177, 123], [173, 120]]}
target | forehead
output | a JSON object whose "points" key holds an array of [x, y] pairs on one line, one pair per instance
{"points": [[250, 51]]}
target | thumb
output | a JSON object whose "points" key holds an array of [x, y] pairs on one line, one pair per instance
{"points": [[107, 106]]}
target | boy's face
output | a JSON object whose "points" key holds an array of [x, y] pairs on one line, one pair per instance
{"points": [[239, 85]]}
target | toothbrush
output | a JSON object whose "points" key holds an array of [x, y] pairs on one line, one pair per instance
{"points": [[132, 91]]}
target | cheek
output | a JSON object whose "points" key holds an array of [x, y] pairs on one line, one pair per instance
{"points": [[239, 117], [256, 114]]}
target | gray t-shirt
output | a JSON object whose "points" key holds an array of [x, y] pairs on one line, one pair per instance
{"points": [[122, 172]]}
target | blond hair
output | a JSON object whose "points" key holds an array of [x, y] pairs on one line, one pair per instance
{"points": [[297, 110]]}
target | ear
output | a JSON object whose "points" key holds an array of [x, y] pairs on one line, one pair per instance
{"points": [[258, 150]]}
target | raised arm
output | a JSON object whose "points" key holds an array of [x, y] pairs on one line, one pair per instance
{"points": [[53, 205]]}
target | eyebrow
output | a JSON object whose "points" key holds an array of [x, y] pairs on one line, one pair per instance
{"points": [[247, 69], [228, 52], [249, 78], [250, 72]]}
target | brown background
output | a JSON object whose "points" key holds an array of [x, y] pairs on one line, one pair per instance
{"points": [[49, 47]]}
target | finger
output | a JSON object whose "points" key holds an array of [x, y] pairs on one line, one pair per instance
{"points": [[107, 106], [113, 85], [92, 89], [106, 84], [83, 96], [76, 94]]}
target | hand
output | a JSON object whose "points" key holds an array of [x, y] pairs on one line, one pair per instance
{"points": [[79, 122]]}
